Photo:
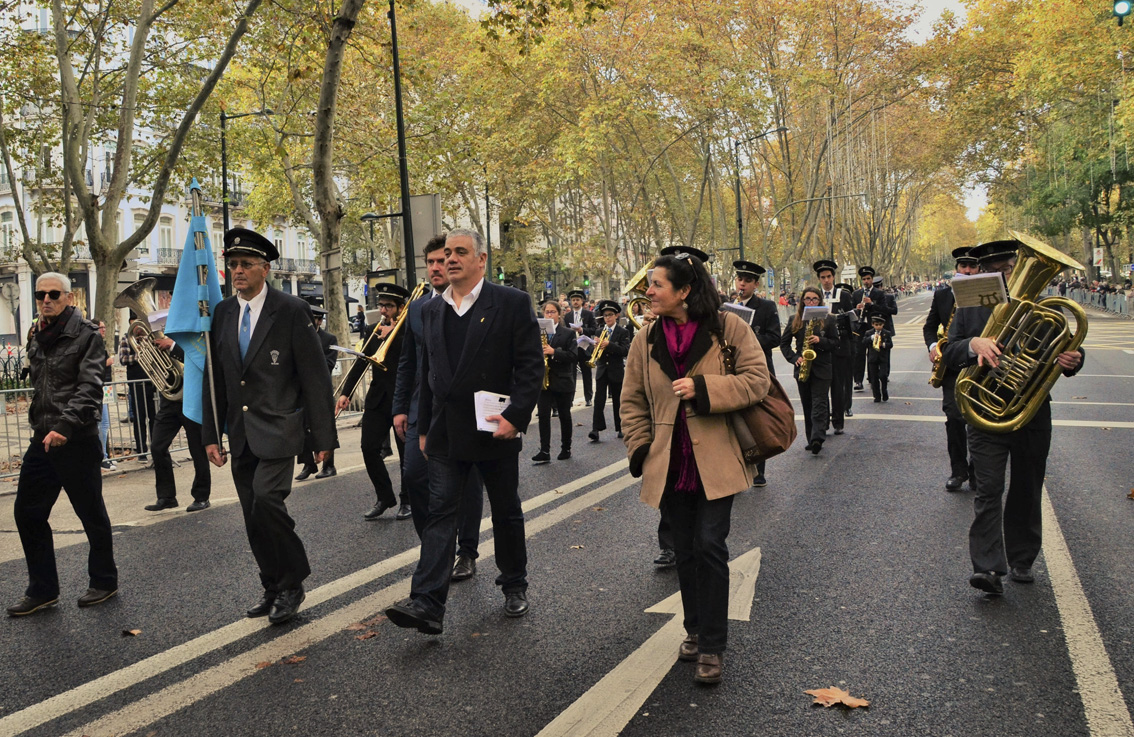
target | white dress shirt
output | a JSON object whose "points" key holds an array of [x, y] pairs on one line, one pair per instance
{"points": [[467, 302], [257, 305]]}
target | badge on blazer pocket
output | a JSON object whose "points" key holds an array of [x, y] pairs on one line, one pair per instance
{"points": [[275, 358]]}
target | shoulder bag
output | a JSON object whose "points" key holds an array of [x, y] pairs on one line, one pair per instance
{"points": [[767, 428]]}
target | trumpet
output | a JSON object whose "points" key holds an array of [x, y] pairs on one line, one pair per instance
{"points": [[546, 364], [808, 354], [380, 357], [166, 372], [877, 342], [596, 354]]}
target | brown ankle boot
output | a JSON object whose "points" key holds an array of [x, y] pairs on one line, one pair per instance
{"points": [[710, 667], [688, 649]]}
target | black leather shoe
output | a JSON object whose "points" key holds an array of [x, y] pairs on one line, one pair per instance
{"points": [[198, 506], [376, 511], [564, 455], [306, 473], [809, 445], [593, 436], [541, 458], [411, 616], [858, 388], [989, 582], [463, 569], [954, 483], [877, 400], [1022, 575], [31, 605], [588, 403], [619, 434], [515, 604], [838, 431], [263, 607], [760, 482], [404, 512], [816, 446], [848, 413], [666, 558], [161, 504], [96, 596], [327, 472], [286, 605]]}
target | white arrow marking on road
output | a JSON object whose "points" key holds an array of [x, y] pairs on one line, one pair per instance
{"points": [[609, 705]]}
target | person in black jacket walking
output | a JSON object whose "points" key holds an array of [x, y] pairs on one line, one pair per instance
{"points": [[307, 457], [67, 359], [813, 393], [877, 345], [169, 421], [609, 369], [561, 355]]}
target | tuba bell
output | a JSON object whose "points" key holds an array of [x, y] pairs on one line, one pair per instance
{"points": [[1031, 333], [166, 372], [635, 289]]}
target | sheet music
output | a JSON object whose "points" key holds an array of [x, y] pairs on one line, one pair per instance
{"points": [[546, 325], [349, 352], [746, 313], [487, 404], [816, 313], [979, 290], [583, 341]]}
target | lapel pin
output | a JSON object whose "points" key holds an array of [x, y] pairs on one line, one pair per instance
{"points": [[482, 319]]}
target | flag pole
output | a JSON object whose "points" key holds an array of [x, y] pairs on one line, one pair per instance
{"points": [[205, 309]]}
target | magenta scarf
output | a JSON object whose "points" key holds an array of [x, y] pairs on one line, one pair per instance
{"points": [[682, 464]]}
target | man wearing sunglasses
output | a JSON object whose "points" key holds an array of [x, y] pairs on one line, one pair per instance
{"points": [[67, 360], [273, 392]]}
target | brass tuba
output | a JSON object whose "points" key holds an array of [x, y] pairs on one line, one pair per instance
{"points": [[1031, 333], [166, 372], [635, 289]]}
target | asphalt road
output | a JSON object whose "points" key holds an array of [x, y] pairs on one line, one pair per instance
{"points": [[862, 584]]}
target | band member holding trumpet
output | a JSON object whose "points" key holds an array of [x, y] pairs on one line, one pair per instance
{"points": [[1006, 536], [808, 345], [272, 389], [609, 359], [934, 331], [307, 457], [377, 414], [877, 345], [868, 301], [560, 354]]}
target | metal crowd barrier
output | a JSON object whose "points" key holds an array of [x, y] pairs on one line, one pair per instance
{"points": [[131, 406], [1115, 303]]}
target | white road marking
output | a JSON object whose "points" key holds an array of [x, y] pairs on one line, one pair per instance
{"points": [[112, 683], [608, 706], [941, 418], [938, 399], [1128, 351], [1103, 703]]}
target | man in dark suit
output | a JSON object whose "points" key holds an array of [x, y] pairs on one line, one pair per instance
{"points": [[765, 323], [407, 389], [578, 315], [377, 414], [841, 305], [938, 320], [479, 337], [273, 389], [868, 301], [609, 369], [307, 457], [1006, 534]]}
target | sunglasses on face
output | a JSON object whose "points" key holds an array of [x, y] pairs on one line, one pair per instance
{"points": [[54, 294], [243, 265]]}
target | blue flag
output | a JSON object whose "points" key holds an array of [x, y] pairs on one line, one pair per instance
{"points": [[185, 324]]}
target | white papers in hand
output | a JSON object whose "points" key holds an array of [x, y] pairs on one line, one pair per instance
{"points": [[488, 404], [576, 324], [546, 325], [979, 290], [348, 351], [584, 340], [815, 313]]}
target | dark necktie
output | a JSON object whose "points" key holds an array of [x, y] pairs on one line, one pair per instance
{"points": [[245, 331]]}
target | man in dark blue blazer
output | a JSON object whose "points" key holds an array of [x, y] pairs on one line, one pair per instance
{"points": [[478, 337], [273, 391], [407, 389]]}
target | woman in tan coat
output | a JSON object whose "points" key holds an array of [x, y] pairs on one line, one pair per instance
{"points": [[676, 401]]}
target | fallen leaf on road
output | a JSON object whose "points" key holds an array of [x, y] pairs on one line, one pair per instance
{"points": [[356, 627], [131, 633], [576, 547], [831, 696], [1130, 495], [1078, 397], [264, 664], [366, 635], [376, 619], [909, 404], [298, 680], [293, 659], [598, 509], [121, 475]]}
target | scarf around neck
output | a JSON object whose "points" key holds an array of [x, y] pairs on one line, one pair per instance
{"points": [[46, 333], [682, 464]]}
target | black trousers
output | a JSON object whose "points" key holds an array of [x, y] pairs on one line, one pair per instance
{"points": [[1009, 533], [955, 432], [814, 398], [700, 528], [74, 468], [841, 368], [168, 422], [561, 401], [263, 485], [142, 412], [604, 385], [376, 425], [879, 371], [859, 359], [307, 459], [415, 488], [585, 370]]}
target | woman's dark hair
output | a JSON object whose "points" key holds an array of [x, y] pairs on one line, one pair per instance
{"points": [[558, 307], [797, 321], [703, 303]]}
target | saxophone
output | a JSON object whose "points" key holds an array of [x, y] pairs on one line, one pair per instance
{"points": [[937, 375], [546, 365], [808, 352]]}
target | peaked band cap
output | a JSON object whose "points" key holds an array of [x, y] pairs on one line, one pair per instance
{"points": [[844, 285], [608, 305], [389, 289], [963, 255], [683, 252], [824, 264], [243, 240], [576, 293], [750, 268], [867, 271], [994, 250]]}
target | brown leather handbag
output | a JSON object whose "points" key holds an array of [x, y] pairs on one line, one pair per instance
{"points": [[767, 428]]}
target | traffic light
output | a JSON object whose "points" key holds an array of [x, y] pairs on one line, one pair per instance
{"points": [[499, 273], [1122, 9], [586, 281]]}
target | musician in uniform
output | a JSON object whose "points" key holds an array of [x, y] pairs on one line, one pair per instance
{"points": [[820, 336], [272, 390], [560, 356], [938, 320], [613, 343], [377, 414], [307, 457], [765, 323], [869, 301], [877, 345], [841, 305], [579, 315], [1006, 534]]}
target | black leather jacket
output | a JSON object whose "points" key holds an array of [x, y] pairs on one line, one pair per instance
{"points": [[67, 378]]}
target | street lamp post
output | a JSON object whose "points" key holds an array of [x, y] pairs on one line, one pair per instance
{"points": [[403, 168], [224, 117], [772, 222], [736, 160]]}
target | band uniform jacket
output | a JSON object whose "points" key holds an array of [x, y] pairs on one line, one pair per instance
{"points": [[281, 391], [612, 362], [649, 407], [766, 325], [791, 345], [408, 385], [502, 354], [940, 310], [562, 364], [879, 305], [590, 324], [885, 345], [327, 340], [380, 395], [842, 307]]}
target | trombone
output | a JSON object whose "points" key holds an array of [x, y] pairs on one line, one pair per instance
{"points": [[381, 355]]}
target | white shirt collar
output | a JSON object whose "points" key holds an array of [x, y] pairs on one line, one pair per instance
{"points": [[467, 302]]}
